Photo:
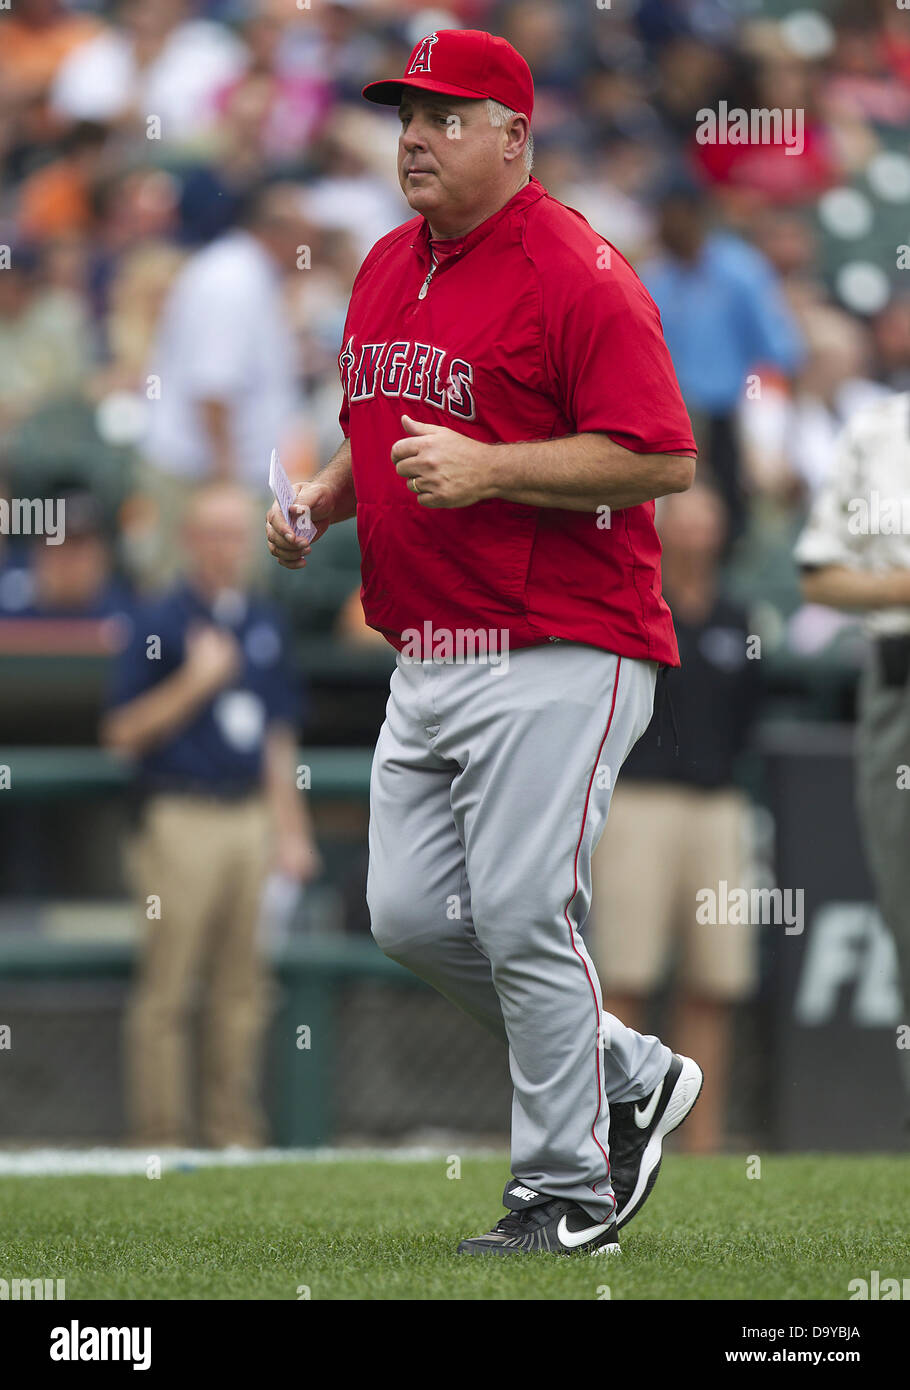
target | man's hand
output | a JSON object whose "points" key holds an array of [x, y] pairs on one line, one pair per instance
{"points": [[443, 468], [212, 660], [297, 857], [290, 550]]}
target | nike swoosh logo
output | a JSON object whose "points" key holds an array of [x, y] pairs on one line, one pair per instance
{"points": [[573, 1238], [644, 1117]]}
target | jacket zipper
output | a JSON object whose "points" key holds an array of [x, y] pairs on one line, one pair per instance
{"points": [[422, 294]]}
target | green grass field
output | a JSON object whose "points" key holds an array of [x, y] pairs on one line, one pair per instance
{"points": [[360, 1229]]}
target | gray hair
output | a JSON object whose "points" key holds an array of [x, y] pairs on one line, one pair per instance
{"points": [[500, 115]]}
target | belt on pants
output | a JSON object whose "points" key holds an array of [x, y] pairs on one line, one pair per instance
{"points": [[222, 792]]}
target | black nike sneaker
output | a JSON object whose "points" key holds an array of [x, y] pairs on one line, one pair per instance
{"points": [[638, 1129], [538, 1224]]}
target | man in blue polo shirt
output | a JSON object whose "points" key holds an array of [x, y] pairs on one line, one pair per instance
{"points": [[724, 316], [205, 703]]}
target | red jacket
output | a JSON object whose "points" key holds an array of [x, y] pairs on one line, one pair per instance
{"points": [[532, 327]]}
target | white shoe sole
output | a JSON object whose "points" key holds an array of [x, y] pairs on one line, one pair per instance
{"points": [[682, 1098]]}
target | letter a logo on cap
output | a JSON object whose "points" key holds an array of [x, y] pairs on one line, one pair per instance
{"points": [[421, 60]]}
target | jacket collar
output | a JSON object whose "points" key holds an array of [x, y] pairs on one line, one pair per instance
{"points": [[532, 190]]}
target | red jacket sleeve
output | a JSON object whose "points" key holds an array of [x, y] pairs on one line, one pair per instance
{"points": [[607, 361]]}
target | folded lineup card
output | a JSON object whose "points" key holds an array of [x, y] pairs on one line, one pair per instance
{"points": [[281, 486]]}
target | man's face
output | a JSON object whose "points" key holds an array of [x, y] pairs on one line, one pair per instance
{"points": [[73, 574], [450, 159], [219, 538], [693, 524], [682, 229]]}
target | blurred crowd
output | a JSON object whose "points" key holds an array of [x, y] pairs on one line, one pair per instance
{"points": [[163, 165]]}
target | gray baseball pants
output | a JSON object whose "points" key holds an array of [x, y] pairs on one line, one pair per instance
{"points": [[883, 738], [490, 789]]}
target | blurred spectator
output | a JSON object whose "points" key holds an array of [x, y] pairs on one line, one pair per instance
{"points": [[270, 116], [863, 84], [612, 191], [136, 294], [133, 208], [38, 35], [293, 104], [317, 306], [56, 200], [616, 101], [73, 579], [724, 317], [787, 239], [158, 62], [748, 174], [44, 334], [547, 38], [854, 554], [891, 341], [213, 194], [691, 76], [661, 21], [354, 194], [225, 360], [892, 35], [678, 824], [790, 438], [336, 39], [204, 701]]}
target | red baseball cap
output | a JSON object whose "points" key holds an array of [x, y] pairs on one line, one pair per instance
{"points": [[462, 63]]}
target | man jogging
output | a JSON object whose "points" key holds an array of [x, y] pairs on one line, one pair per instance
{"points": [[510, 411]]}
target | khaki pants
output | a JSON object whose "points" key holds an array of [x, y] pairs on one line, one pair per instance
{"points": [[663, 844], [205, 861]]}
